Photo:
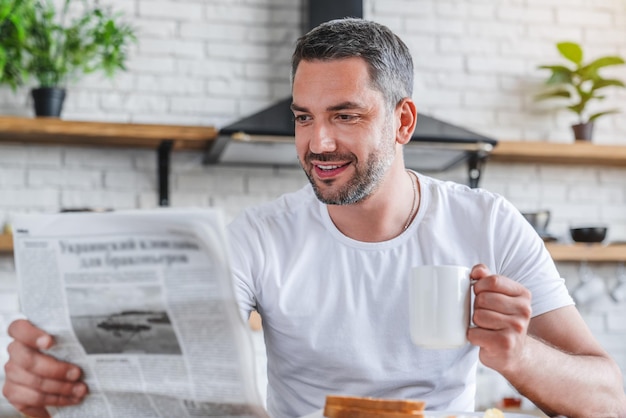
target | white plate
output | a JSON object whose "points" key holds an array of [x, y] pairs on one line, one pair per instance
{"points": [[439, 414], [442, 414]]}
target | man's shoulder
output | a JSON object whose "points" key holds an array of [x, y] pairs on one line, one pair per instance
{"points": [[288, 205], [451, 190]]}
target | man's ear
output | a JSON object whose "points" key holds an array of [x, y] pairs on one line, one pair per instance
{"points": [[407, 114]]}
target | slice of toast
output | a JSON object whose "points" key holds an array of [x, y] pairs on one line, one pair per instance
{"points": [[365, 407], [342, 412]]}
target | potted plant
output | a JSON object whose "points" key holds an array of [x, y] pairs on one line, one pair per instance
{"points": [[580, 82], [58, 49]]}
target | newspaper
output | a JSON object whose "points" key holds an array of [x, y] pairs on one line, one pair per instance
{"points": [[144, 303]]}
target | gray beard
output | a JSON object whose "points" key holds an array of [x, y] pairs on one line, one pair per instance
{"points": [[364, 183]]}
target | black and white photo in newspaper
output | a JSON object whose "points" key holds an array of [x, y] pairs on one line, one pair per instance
{"points": [[144, 302]]}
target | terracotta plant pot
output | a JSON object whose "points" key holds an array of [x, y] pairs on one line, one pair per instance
{"points": [[48, 101], [583, 131]]}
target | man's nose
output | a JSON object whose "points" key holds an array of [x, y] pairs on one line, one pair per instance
{"points": [[322, 139]]}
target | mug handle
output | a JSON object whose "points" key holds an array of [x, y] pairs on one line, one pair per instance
{"points": [[472, 298]]}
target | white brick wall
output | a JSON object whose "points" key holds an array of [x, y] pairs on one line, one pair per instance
{"points": [[209, 62]]}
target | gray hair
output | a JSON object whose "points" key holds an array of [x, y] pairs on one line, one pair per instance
{"points": [[388, 58]]}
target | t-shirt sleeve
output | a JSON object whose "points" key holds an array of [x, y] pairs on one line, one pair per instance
{"points": [[522, 256], [244, 255]]}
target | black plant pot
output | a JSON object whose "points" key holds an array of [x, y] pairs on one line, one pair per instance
{"points": [[583, 131], [48, 101]]}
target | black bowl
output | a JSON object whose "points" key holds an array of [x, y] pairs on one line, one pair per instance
{"points": [[589, 234]]}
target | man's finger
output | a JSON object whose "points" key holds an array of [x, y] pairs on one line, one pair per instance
{"points": [[31, 360], [494, 320], [35, 412], [500, 284], [25, 398], [21, 377], [503, 303], [32, 412], [490, 339], [479, 271], [25, 332]]}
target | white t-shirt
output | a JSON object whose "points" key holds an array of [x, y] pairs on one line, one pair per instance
{"points": [[335, 310]]}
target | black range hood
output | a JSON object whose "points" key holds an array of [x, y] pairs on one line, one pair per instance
{"points": [[267, 137]]}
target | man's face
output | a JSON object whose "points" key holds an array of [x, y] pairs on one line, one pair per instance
{"points": [[344, 130]]}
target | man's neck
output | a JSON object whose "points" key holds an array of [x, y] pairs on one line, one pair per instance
{"points": [[384, 214]]}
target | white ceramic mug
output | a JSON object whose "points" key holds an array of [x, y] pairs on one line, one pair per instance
{"points": [[440, 299]]}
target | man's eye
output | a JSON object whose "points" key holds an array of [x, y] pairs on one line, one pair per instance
{"points": [[346, 118], [302, 118]]}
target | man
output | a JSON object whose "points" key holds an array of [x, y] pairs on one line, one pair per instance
{"points": [[327, 266]]}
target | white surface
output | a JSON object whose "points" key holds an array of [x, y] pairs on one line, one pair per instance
{"points": [[442, 414], [440, 306], [439, 414]]}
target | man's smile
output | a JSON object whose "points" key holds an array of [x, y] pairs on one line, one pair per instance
{"points": [[325, 171]]}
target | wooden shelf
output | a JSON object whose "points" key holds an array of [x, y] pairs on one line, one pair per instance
{"points": [[592, 252], [6, 243], [162, 138], [579, 153], [52, 131]]}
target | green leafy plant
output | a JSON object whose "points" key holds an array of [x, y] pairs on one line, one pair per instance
{"points": [[13, 32], [58, 49], [579, 82]]}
